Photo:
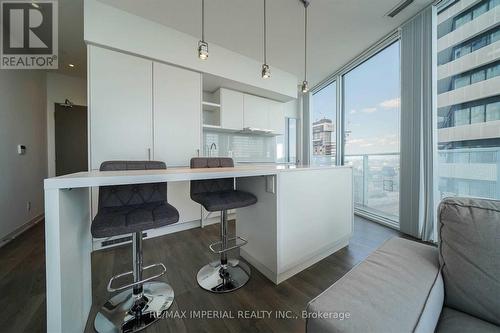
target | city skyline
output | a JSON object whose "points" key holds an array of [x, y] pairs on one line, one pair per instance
{"points": [[372, 120]]}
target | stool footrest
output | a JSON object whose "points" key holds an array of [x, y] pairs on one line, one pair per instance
{"points": [[120, 288], [218, 249]]}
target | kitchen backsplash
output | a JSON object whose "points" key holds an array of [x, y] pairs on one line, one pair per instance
{"points": [[241, 147]]}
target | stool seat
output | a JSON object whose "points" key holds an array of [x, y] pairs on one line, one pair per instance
{"points": [[227, 274], [223, 200], [113, 221], [131, 209]]}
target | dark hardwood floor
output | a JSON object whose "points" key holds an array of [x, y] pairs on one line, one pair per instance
{"points": [[22, 281]]}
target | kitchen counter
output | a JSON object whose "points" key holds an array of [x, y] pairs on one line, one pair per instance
{"points": [[99, 178], [303, 214]]}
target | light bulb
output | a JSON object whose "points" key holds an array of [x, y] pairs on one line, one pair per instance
{"points": [[305, 87], [266, 72], [202, 50]]}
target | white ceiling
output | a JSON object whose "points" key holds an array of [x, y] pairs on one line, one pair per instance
{"points": [[339, 30]]}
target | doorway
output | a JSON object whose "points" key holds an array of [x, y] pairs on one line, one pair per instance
{"points": [[71, 142]]}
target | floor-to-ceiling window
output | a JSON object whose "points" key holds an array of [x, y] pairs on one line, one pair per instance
{"points": [[323, 125], [368, 116], [371, 108], [468, 98]]}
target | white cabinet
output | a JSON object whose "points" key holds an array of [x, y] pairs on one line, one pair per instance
{"points": [[177, 128], [176, 114], [120, 106], [141, 110], [255, 113], [239, 111], [231, 109], [276, 117], [263, 113]]}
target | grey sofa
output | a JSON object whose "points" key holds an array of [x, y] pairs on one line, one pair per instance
{"points": [[406, 286]]}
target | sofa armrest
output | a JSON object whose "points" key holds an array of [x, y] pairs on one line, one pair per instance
{"points": [[398, 288]]}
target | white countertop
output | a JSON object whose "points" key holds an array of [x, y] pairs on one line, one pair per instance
{"points": [[101, 178]]}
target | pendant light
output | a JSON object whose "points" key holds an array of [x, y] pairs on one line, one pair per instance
{"points": [[305, 85], [202, 45], [266, 72]]}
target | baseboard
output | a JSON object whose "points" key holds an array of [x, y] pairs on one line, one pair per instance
{"points": [[290, 271], [5, 240], [261, 268], [314, 258]]}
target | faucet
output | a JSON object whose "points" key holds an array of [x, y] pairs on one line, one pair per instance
{"points": [[214, 146]]}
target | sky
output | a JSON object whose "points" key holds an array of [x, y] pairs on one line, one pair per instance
{"points": [[371, 99]]}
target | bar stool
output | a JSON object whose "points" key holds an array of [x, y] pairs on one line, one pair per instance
{"points": [[224, 275], [131, 209]]}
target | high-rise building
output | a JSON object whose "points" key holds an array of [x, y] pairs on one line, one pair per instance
{"points": [[468, 100], [323, 131]]}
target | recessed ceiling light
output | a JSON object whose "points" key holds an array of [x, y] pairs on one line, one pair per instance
{"points": [[71, 65]]}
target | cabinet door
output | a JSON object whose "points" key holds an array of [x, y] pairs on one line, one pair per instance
{"points": [[276, 117], [231, 109], [120, 89], [177, 114], [255, 112], [177, 128]]}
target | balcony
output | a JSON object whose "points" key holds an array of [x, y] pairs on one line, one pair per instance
{"points": [[376, 185], [469, 172], [479, 90], [470, 29]]}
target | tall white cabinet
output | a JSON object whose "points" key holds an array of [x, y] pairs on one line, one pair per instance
{"points": [[120, 106], [144, 110], [176, 114], [177, 128]]}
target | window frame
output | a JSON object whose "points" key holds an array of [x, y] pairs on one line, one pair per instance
{"points": [[338, 77]]}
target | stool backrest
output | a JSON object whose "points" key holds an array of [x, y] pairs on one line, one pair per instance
{"points": [[132, 194], [211, 185]]}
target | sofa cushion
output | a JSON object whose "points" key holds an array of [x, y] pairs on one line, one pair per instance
{"points": [[453, 321], [396, 289], [469, 254]]}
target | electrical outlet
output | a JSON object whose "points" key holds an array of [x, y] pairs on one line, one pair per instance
{"points": [[28, 206]]}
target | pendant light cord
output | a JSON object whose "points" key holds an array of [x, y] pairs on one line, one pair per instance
{"points": [[305, 44], [203, 20], [265, 34]]}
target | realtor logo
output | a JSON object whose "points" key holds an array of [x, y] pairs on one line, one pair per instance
{"points": [[29, 34]]}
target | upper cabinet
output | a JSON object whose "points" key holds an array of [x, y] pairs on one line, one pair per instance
{"points": [[276, 117], [255, 112], [231, 109], [239, 111], [263, 114], [120, 90]]}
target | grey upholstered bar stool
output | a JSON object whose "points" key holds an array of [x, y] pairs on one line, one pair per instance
{"points": [[224, 275], [131, 209]]}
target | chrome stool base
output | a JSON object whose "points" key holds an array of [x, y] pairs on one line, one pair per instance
{"points": [[116, 315], [218, 279]]}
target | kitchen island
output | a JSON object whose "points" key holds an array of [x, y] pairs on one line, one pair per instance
{"points": [[303, 214]]}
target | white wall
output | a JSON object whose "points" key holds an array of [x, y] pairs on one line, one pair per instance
{"points": [[22, 121], [60, 87], [291, 109]]}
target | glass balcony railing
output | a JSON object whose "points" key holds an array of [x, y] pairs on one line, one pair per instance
{"points": [[376, 183], [471, 172]]}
